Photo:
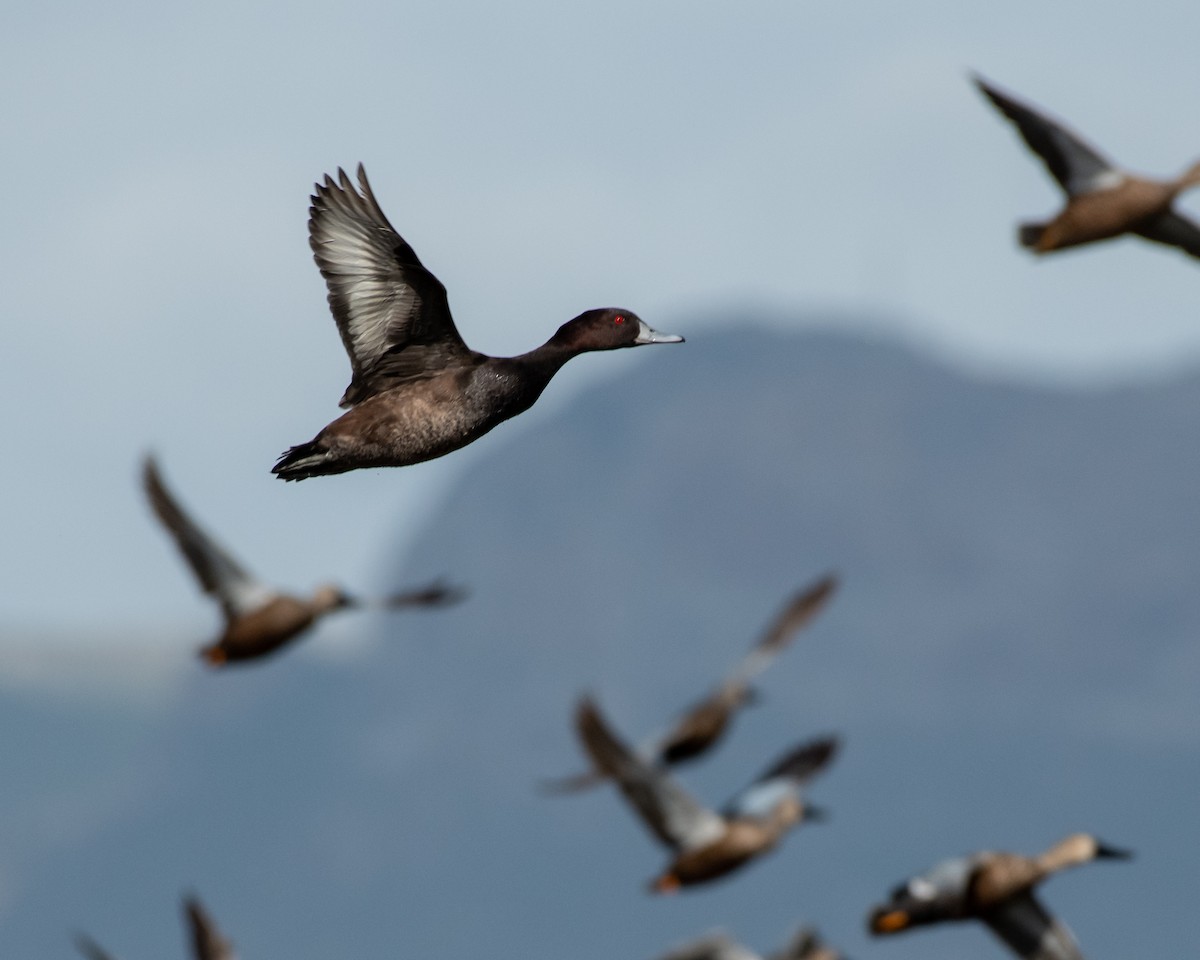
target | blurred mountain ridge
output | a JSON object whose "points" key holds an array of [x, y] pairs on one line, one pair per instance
{"points": [[1012, 656]]}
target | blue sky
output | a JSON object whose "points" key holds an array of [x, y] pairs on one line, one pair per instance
{"points": [[680, 159]]}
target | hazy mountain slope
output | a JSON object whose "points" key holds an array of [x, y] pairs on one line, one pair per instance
{"points": [[1013, 656]]}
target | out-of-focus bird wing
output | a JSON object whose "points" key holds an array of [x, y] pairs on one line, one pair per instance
{"points": [[665, 807], [91, 949], [1023, 923], [207, 941], [1175, 230], [236, 589], [1075, 164], [791, 772], [799, 613]]}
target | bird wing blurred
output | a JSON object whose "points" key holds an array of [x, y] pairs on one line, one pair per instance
{"points": [[237, 590], [665, 807], [1075, 164], [1023, 924]]}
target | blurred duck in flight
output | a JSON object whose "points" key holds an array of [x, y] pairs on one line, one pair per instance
{"points": [[705, 722], [996, 888], [258, 619], [706, 844], [1103, 200]]}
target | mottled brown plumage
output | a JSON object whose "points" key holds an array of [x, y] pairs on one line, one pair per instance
{"points": [[1103, 201]]}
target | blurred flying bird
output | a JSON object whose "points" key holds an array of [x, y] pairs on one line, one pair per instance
{"points": [[417, 391], [804, 945], [707, 844], [996, 888], [705, 722], [206, 940], [1103, 200], [258, 619]]}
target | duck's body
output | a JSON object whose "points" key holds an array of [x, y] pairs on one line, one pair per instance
{"points": [[703, 724], [1102, 200], [706, 844], [259, 620], [996, 888], [418, 391]]}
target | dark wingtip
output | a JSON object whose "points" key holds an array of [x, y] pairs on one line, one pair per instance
{"points": [[1106, 852]]}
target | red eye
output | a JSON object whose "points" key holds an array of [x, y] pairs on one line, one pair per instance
{"points": [[618, 319]]}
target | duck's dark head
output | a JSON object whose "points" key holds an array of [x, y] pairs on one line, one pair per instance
{"points": [[608, 329]]}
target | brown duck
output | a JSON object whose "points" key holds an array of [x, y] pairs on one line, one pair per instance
{"points": [[705, 722], [206, 940], [417, 391], [258, 619], [1103, 200], [706, 844], [996, 888]]}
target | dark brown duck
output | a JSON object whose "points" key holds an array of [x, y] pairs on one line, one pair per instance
{"points": [[417, 391]]}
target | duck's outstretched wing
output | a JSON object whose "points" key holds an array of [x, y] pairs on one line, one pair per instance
{"points": [[665, 807], [236, 589], [789, 773], [798, 614], [1075, 164], [90, 948], [1030, 932], [1175, 230], [436, 594], [207, 941], [711, 946], [391, 312]]}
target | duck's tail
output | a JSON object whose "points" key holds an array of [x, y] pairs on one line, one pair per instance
{"points": [[1030, 234], [302, 461]]}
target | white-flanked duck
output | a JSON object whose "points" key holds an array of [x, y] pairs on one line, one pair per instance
{"points": [[417, 391], [1103, 200], [704, 723], [258, 618], [996, 888], [706, 844]]}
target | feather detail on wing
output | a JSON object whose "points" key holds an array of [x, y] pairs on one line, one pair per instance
{"points": [[392, 313]]}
